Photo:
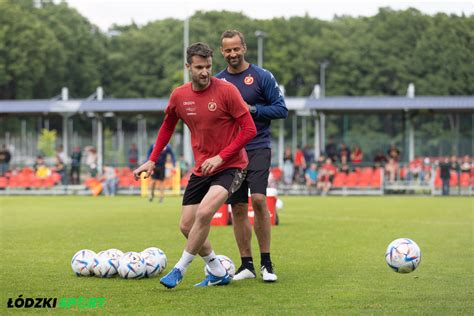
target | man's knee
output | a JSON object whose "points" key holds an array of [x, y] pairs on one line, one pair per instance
{"points": [[259, 203], [240, 211], [203, 216], [185, 228]]}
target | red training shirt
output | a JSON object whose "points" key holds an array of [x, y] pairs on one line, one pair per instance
{"points": [[329, 168], [218, 119]]}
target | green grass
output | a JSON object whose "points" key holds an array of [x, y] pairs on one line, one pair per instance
{"points": [[329, 256]]}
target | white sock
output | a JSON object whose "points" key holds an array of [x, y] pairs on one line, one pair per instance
{"points": [[215, 266], [185, 261]]}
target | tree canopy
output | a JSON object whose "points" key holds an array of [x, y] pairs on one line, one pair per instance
{"points": [[46, 47]]}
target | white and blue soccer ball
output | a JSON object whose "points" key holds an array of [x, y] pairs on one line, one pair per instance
{"points": [[82, 262], [226, 262], [403, 255], [159, 258], [153, 263], [132, 266], [106, 263]]}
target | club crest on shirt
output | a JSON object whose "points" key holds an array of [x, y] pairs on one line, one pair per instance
{"points": [[212, 106], [248, 80]]}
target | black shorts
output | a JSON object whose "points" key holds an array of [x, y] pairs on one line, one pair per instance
{"points": [[158, 173], [256, 180], [197, 188]]}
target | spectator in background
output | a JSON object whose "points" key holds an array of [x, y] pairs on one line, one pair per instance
{"points": [[41, 170], [75, 173], [60, 168], [109, 181], [133, 156], [391, 169], [308, 154], [466, 165], [159, 173], [39, 161], [61, 154], [426, 170], [380, 160], [300, 166], [300, 161], [356, 155], [445, 175], [456, 169], [311, 176], [321, 161], [91, 160], [326, 176], [288, 166], [344, 152], [331, 149], [415, 171], [5, 158], [61, 163], [344, 165], [394, 153]]}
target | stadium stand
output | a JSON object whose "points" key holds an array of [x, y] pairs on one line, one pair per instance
{"points": [[360, 180]]}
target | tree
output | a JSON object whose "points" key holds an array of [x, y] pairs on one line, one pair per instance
{"points": [[442, 60], [46, 142], [28, 52], [84, 48]]}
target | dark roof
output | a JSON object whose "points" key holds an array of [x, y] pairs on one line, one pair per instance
{"points": [[329, 104], [445, 103], [74, 106], [124, 105]]}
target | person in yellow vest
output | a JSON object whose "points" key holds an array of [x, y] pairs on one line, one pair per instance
{"points": [[41, 170]]}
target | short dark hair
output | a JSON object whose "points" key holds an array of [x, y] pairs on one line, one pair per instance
{"points": [[198, 49], [232, 33]]}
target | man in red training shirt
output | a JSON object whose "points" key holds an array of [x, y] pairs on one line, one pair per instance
{"points": [[220, 126]]}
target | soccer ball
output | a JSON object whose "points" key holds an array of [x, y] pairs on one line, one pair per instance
{"points": [[152, 263], [82, 262], [226, 262], [106, 263], [162, 260], [132, 266], [403, 255]]}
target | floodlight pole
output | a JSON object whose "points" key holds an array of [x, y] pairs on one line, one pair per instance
{"points": [[65, 97], [260, 36], [100, 134], [187, 148], [322, 116], [322, 77]]}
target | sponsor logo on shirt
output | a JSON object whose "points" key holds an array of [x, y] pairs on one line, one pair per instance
{"points": [[190, 110], [212, 106], [248, 80]]}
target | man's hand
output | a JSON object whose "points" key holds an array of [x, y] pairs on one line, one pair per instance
{"points": [[209, 165], [147, 167]]}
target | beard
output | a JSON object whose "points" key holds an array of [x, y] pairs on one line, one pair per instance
{"points": [[200, 83], [235, 62]]}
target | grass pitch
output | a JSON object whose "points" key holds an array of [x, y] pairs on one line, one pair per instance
{"points": [[328, 252]]}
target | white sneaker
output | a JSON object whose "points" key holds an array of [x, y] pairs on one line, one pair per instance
{"points": [[267, 274], [243, 274]]}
